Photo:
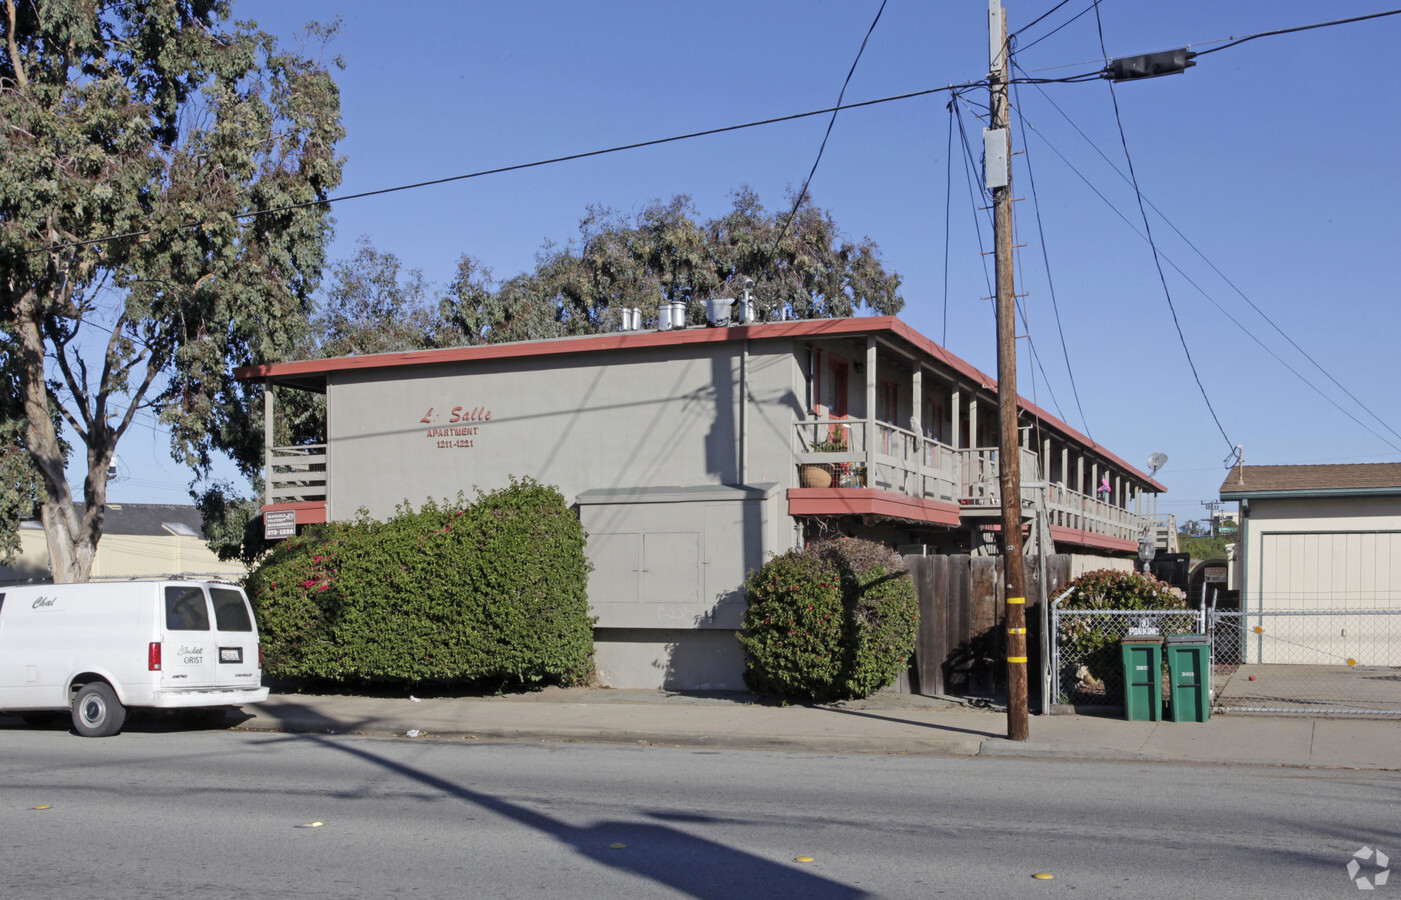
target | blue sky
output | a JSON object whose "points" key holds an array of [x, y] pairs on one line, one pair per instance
{"points": [[1275, 159]]}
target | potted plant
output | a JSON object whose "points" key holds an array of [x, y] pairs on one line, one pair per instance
{"points": [[821, 475]]}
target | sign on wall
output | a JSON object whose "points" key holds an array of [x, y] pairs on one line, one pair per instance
{"points": [[458, 428], [279, 523]]}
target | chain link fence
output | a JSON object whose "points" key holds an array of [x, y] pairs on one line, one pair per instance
{"points": [[1341, 662], [1086, 662], [1337, 662]]}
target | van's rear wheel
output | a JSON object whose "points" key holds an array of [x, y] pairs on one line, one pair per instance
{"points": [[97, 712]]}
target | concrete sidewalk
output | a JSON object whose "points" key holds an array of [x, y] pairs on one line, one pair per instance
{"points": [[884, 723]]}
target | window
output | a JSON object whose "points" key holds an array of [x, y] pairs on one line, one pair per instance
{"points": [[888, 402], [230, 611], [935, 422], [185, 609]]}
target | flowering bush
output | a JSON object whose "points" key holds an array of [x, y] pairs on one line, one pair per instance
{"points": [[831, 622], [446, 594], [1093, 640]]}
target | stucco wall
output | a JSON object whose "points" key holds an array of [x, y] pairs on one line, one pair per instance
{"points": [[666, 416], [667, 572]]}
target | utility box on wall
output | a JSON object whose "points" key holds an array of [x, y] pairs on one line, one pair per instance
{"points": [[675, 557]]}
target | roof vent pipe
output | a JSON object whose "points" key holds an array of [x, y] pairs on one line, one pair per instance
{"points": [[718, 310], [678, 314]]}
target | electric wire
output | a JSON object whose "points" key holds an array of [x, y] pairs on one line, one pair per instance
{"points": [[1188, 278], [1123, 140], [1036, 21], [1236, 42], [1057, 28], [802, 193], [500, 170], [1251, 303], [1046, 259], [948, 202], [969, 167], [981, 82]]}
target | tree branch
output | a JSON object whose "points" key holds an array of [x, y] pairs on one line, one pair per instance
{"points": [[20, 78]]}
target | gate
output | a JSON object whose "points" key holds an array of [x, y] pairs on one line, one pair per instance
{"points": [[1329, 662], [1338, 662]]}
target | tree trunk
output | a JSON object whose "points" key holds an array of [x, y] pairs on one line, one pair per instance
{"points": [[72, 542]]}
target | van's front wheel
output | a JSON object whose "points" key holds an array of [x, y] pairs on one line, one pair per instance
{"points": [[97, 712]]}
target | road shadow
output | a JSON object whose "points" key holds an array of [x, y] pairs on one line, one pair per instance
{"points": [[658, 852], [142, 721], [932, 725]]}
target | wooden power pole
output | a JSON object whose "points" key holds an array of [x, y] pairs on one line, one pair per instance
{"points": [[997, 150]]}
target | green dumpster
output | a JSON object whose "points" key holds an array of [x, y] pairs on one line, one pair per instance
{"points": [[1143, 678], [1189, 697]]}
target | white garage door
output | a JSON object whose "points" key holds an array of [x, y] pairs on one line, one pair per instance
{"points": [[1320, 587], [1330, 570]]}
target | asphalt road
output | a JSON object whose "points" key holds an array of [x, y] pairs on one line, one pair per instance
{"points": [[161, 812]]}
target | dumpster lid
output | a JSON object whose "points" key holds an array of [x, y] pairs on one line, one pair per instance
{"points": [[1141, 639], [1186, 639]]}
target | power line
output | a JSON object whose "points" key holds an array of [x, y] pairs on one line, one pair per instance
{"points": [[1188, 278], [1251, 303], [1046, 259], [797, 204], [1236, 42], [948, 202], [981, 82], [1123, 140], [969, 167], [500, 170], [1057, 28], [1034, 22]]}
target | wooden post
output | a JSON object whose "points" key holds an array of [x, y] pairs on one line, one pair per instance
{"points": [[1000, 180]]}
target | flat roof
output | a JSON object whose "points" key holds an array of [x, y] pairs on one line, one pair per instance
{"points": [[311, 375]]}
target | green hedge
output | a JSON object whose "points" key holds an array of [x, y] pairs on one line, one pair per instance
{"points": [[834, 621], [493, 590]]}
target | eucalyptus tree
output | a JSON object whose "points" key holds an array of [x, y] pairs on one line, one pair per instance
{"points": [[799, 260], [161, 221]]}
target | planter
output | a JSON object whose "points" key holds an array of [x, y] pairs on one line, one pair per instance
{"points": [[815, 476]]}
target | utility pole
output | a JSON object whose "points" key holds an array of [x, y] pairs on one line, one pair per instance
{"points": [[997, 153]]}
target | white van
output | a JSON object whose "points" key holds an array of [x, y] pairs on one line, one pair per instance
{"points": [[95, 649]]}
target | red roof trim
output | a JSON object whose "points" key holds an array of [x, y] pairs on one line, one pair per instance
{"points": [[869, 501], [631, 340]]}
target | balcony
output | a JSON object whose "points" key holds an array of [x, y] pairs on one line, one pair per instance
{"points": [[296, 477], [837, 455]]}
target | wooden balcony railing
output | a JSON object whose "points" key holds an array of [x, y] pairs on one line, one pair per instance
{"points": [[296, 474], [903, 462]]}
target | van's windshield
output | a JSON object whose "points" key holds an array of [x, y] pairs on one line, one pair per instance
{"points": [[230, 612]]}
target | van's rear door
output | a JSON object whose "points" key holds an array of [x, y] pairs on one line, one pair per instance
{"points": [[236, 638], [189, 652], [210, 640]]}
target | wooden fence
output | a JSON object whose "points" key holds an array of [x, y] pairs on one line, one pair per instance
{"points": [[960, 647]]}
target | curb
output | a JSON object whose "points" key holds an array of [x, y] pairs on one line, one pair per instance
{"points": [[710, 740]]}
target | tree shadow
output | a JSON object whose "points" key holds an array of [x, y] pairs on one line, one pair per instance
{"points": [[667, 856]]}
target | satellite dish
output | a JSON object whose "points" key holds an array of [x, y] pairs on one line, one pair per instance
{"points": [[1156, 462]]}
